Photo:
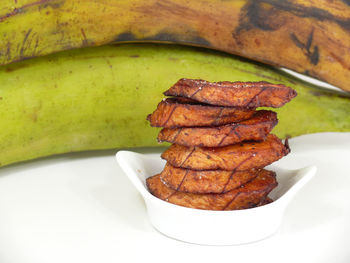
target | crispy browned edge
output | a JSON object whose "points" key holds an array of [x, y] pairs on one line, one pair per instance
{"points": [[204, 182], [256, 128], [265, 201], [249, 195], [237, 157], [173, 113], [242, 94]]}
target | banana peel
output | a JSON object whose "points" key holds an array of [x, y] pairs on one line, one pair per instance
{"points": [[98, 98], [310, 37]]}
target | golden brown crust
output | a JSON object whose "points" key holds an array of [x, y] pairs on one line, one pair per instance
{"points": [[173, 113], [250, 195], [238, 94], [204, 182], [255, 128], [239, 157]]}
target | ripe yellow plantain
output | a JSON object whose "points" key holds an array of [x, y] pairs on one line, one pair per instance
{"points": [[310, 37], [98, 98]]}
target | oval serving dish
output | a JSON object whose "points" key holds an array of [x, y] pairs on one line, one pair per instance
{"points": [[212, 227]]}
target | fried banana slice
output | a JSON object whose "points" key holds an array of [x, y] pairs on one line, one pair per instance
{"points": [[249, 195], [238, 157], [204, 182], [238, 94], [255, 129], [173, 113]]}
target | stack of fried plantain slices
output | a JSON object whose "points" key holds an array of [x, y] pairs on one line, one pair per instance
{"points": [[221, 144]]}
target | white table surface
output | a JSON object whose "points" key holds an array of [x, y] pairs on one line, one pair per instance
{"points": [[82, 208]]}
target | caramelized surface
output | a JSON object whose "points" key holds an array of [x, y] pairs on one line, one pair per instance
{"points": [[239, 94], [239, 157], [173, 113], [255, 128], [201, 182], [250, 195]]}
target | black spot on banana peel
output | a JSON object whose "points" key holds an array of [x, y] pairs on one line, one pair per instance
{"points": [[346, 2], [175, 38], [312, 54], [256, 15], [305, 9], [125, 37], [259, 30], [164, 37]]}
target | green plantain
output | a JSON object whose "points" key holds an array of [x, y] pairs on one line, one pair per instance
{"points": [[98, 98]]}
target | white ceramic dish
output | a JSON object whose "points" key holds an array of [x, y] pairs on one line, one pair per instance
{"points": [[213, 227]]}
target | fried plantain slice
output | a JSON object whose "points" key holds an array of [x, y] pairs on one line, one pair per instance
{"points": [[238, 157], [249, 195], [173, 113], [238, 94], [265, 201], [255, 128], [204, 182]]}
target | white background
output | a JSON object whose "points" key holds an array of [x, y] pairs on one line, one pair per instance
{"points": [[82, 208]]}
